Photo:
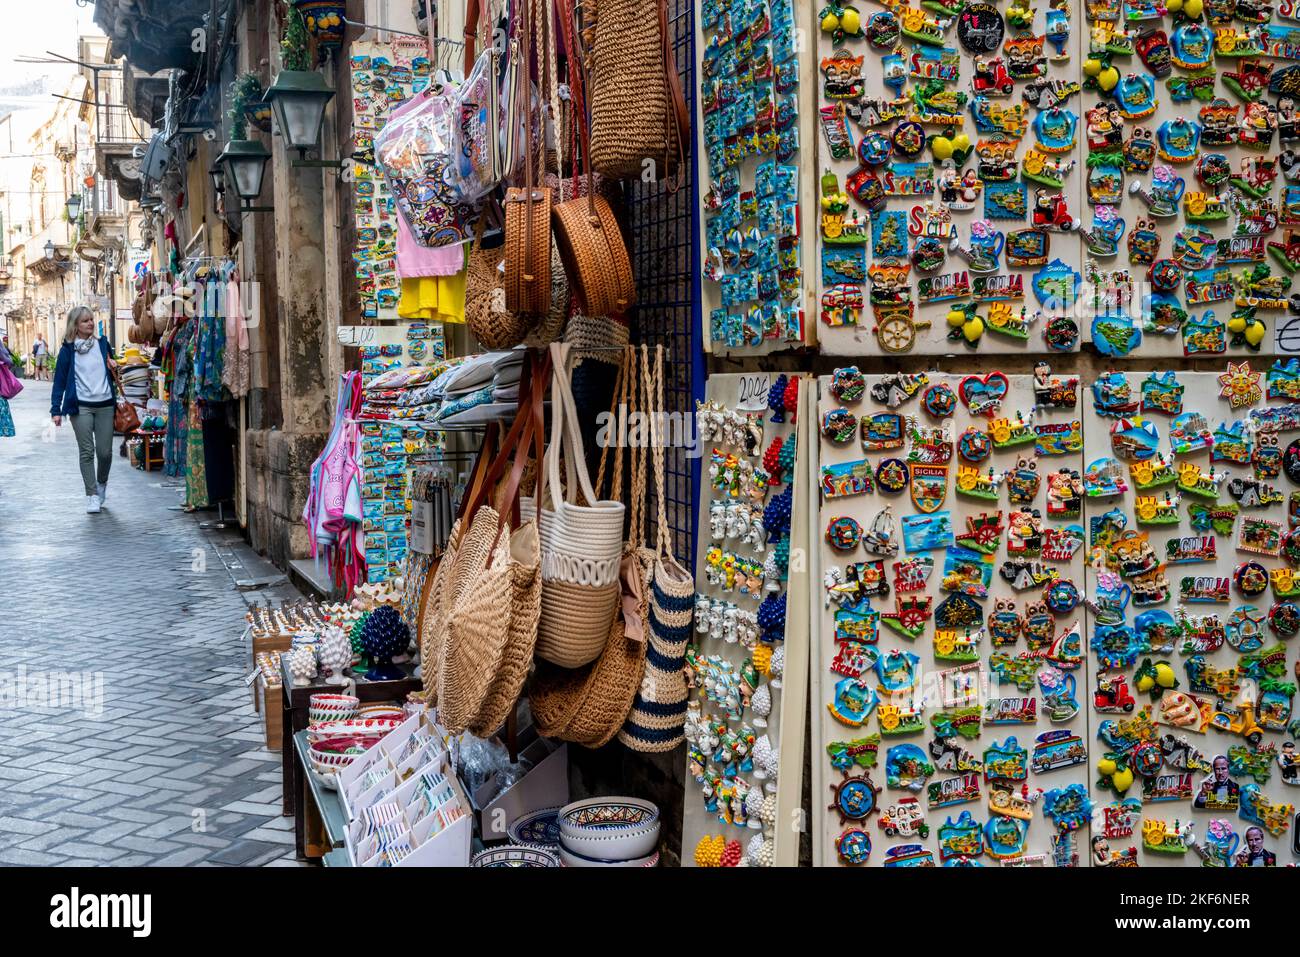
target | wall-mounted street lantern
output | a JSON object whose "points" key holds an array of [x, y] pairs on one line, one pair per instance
{"points": [[299, 98], [243, 163]]}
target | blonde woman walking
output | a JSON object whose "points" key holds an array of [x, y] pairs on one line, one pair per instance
{"points": [[84, 391]]}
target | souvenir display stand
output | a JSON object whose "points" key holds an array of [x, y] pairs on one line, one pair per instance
{"points": [[1192, 631], [932, 704], [950, 159], [754, 235], [748, 660]]}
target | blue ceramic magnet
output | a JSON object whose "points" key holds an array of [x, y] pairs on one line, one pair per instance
{"points": [[924, 533], [896, 671], [1178, 140], [1192, 46], [1115, 335], [1062, 596], [907, 767], [1056, 285], [1136, 96], [1056, 129], [1135, 439]]}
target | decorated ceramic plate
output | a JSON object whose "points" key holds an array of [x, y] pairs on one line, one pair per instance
{"points": [[538, 828], [570, 859], [515, 855]]}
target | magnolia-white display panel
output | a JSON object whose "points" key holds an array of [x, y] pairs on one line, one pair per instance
{"points": [[746, 720], [999, 291], [892, 603], [1208, 647]]}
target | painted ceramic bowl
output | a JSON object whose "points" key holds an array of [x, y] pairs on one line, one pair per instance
{"points": [[331, 707], [333, 730], [372, 711], [569, 859], [515, 855], [540, 828], [609, 829], [330, 756]]}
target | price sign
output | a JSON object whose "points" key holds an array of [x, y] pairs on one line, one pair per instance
{"points": [[751, 394]]}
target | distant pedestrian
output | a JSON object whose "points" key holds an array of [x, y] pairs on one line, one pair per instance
{"points": [[6, 419], [41, 357], [84, 389]]}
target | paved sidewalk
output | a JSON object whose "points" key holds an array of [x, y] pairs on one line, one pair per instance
{"points": [[159, 760]]}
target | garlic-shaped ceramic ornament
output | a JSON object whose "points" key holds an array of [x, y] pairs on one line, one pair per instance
{"points": [[760, 705], [335, 654], [302, 666]]}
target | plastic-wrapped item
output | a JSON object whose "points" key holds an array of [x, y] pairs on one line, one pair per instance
{"points": [[477, 167], [414, 150], [481, 761]]}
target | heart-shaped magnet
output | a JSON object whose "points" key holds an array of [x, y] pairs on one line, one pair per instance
{"points": [[983, 395]]}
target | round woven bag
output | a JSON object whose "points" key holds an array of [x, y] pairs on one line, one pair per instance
{"points": [[524, 568], [485, 302], [594, 254], [474, 641]]}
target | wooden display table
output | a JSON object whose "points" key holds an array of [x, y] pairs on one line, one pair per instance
{"points": [[300, 784]]}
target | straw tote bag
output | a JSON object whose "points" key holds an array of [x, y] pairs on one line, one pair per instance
{"points": [[486, 315], [588, 705], [586, 229], [487, 645], [525, 573], [658, 714], [445, 581], [638, 111], [528, 208], [582, 538]]}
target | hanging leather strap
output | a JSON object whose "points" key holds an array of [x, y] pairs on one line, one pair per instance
{"points": [[677, 117]]}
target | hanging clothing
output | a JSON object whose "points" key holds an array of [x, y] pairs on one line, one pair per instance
{"points": [[177, 364], [434, 299], [196, 476], [236, 372]]}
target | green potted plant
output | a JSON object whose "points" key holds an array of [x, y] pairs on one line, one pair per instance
{"points": [[246, 100]]}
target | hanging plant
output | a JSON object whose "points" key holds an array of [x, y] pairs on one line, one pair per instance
{"points": [[246, 105], [323, 20], [295, 48]]}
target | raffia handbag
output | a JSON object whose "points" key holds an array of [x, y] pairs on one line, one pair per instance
{"points": [[587, 231], [528, 207], [445, 581], [638, 111], [491, 627], [486, 315], [582, 539], [658, 714], [587, 706]]}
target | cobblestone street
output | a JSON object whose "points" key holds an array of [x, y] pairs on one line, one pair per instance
{"points": [[163, 763]]}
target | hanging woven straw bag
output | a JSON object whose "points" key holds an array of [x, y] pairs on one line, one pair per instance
{"points": [[581, 538], [586, 229], [528, 207], [587, 706], [658, 714], [638, 110], [446, 581], [494, 326], [491, 626]]}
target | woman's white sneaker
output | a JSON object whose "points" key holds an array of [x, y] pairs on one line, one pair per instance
{"points": [[92, 504], [102, 490]]}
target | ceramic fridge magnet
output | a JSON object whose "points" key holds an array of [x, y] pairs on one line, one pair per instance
{"points": [[1164, 193], [1102, 239], [1240, 386]]}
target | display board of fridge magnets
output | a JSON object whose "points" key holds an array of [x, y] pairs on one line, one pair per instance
{"points": [[747, 661]]}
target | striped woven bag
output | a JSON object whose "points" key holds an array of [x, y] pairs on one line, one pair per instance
{"points": [[659, 711]]}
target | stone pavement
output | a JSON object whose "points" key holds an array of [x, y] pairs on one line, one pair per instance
{"points": [[147, 751]]}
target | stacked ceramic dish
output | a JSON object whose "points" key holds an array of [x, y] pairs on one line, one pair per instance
{"points": [[334, 753], [515, 855], [356, 727], [324, 708], [609, 832]]}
